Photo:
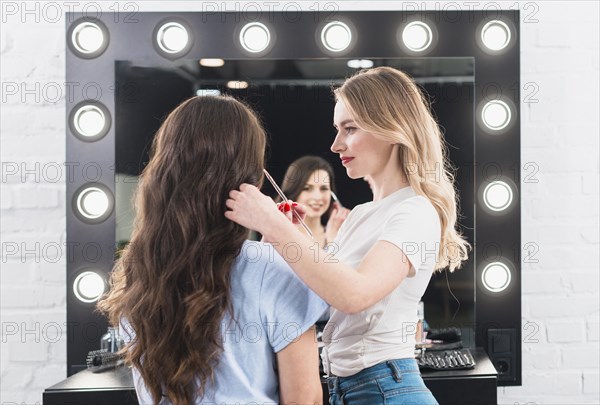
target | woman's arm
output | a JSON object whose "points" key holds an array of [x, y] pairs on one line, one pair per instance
{"points": [[298, 365], [343, 287]]}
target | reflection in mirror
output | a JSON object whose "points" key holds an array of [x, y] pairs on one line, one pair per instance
{"points": [[295, 101]]}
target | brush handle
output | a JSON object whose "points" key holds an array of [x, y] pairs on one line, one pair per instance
{"points": [[284, 198]]}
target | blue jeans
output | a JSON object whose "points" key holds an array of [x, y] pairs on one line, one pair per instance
{"points": [[390, 382]]}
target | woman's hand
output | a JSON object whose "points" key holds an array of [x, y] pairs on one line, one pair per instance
{"points": [[288, 207], [256, 211], [251, 208], [336, 219]]}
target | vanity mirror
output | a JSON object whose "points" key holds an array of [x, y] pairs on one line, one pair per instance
{"points": [[135, 73]]}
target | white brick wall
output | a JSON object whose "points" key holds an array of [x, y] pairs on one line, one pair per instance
{"points": [[560, 210]]}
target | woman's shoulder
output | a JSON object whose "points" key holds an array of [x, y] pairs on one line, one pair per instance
{"points": [[259, 253], [259, 259], [403, 200], [414, 208], [417, 202]]}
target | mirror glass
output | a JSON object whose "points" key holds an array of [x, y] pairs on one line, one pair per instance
{"points": [[295, 102]]}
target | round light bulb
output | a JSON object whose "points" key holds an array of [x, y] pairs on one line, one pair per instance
{"points": [[497, 195], [88, 286], [336, 36], [495, 35], [172, 37], [496, 277], [417, 36], [92, 202], [89, 120], [255, 37], [87, 37], [496, 115]]}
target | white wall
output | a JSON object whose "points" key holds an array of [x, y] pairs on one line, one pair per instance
{"points": [[560, 203], [125, 187]]}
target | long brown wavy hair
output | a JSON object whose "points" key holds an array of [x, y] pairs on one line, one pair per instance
{"points": [[172, 282]]}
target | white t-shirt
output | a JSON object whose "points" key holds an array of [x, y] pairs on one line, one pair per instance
{"points": [[387, 329]]}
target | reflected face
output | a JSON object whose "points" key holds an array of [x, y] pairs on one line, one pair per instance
{"points": [[360, 152], [316, 194]]}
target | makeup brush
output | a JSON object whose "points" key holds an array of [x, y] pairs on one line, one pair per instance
{"points": [[335, 198], [284, 198]]}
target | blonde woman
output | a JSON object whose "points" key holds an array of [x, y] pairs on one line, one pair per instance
{"points": [[387, 248]]}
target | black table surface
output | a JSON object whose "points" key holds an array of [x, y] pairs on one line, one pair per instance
{"points": [[483, 367], [119, 378], [122, 379]]}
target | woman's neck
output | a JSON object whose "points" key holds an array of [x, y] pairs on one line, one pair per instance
{"points": [[386, 187], [389, 180]]}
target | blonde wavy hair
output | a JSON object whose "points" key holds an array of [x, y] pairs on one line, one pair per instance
{"points": [[403, 117]]}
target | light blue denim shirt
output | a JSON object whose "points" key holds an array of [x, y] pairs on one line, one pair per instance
{"points": [[272, 308]]}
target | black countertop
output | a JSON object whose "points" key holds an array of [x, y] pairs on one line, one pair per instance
{"points": [[118, 383]]}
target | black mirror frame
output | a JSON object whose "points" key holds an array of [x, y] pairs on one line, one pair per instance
{"points": [[497, 75]]}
